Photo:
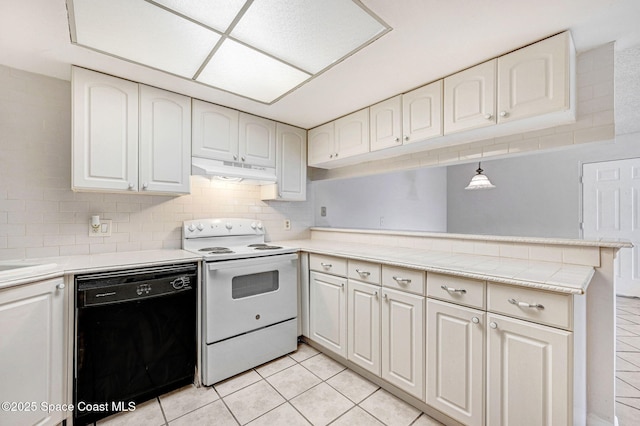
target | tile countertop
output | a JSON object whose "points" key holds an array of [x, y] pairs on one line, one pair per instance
{"points": [[50, 267], [556, 277]]}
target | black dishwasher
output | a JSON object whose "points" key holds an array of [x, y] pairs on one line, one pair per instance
{"points": [[135, 337]]}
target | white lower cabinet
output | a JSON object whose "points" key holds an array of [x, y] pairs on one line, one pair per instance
{"points": [[403, 341], [327, 311], [529, 373], [363, 325], [33, 353], [455, 361]]}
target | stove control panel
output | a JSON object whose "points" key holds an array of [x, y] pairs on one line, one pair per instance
{"points": [[221, 227]]}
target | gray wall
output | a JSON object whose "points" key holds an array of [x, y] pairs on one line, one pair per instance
{"points": [[407, 200]]}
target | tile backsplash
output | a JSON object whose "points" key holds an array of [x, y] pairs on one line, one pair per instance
{"points": [[40, 216]]}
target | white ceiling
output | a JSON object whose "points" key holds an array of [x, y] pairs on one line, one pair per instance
{"points": [[429, 40]]}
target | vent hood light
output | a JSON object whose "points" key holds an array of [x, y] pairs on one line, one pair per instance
{"points": [[480, 181], [233, 172]]}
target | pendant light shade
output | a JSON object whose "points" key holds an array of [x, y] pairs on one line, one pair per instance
{"points": [[480, 181]]}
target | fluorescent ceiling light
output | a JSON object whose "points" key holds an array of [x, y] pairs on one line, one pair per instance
{"points": [[259, 49]]}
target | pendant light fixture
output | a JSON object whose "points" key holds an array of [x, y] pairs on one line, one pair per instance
{"points": [[480, 181]]}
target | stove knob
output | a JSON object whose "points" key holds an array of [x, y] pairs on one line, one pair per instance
{"points": [[259, 225], [191, 228], [229, 226], [200, 227], [253, 225]]}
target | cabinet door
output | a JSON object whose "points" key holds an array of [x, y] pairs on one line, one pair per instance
{"points": [[328, 305], [291, 162], [363, 325], [403, 341], [165, 141], [257, 141], [529, 373], [320, 145], [470, 98], [455, 361], [535, 80], [385, 123], [352, 134], [215, 131], [33, 351], [105, 132], [422, 113]]}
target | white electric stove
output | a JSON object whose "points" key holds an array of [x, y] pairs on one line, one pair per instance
{"points": [[249, 295]]}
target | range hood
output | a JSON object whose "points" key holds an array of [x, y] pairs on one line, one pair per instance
{"points": [[233, 171]]}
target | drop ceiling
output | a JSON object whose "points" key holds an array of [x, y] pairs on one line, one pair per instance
{"points": [[429, 39]]}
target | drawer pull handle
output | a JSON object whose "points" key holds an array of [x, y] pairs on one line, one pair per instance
{"points": [[363, 273], [453, 290], [326, 265], [400, 280], [526, 305]]}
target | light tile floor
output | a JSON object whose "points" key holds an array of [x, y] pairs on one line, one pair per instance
{"points": [[307, 387]]}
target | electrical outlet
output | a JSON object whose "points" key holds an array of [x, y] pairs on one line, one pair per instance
{"points": [[287, 224], [323, 211], [103, 231]]}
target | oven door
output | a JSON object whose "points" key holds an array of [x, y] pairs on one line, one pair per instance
{"points": [[247, 294]]}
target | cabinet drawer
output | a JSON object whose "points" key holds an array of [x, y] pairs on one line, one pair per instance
{"points": [[403, 279], [364, 271], [539, 306], [464, 291], [329, 264]]}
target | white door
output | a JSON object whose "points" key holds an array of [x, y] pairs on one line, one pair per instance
{"points": [[320, 146], [385, 123], [403, 341], [165, 141], [422, 113], [257, 141], [32, 349], [328, 308], [363, 325], [529, 374], [534, 80], [470, 98], [291, 162], [105, 131], [352, 134], [455, 361], [611, 209], [215, 131]]}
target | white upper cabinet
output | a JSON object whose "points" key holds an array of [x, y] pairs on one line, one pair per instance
{"points": [[422, 113], [535, 80], [385, 123], [257, 140], [105, 132], [321, 146], [352, 134], [129, 137], [165, 141], [215, 131], [470, 98], [291, 165]]}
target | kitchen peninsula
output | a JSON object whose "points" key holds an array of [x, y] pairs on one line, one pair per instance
{"points": [[478, 315]]}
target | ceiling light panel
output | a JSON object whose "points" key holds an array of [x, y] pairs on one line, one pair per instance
{"points": [[141, 32], [239, 69], [310, 34], [217, 14]]}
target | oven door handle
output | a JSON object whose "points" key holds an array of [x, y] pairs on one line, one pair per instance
{"points": [[266, 260]]}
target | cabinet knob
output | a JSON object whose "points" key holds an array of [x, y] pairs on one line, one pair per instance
{"points": [[145, 185], [243, 158], [488, 116], [336, 154], [375, 294], [385, 296], [235, 157], [493, 325], [475, 320], [330, 155], [131, 185], [504, 114], [406, 138], [60, 286]]}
